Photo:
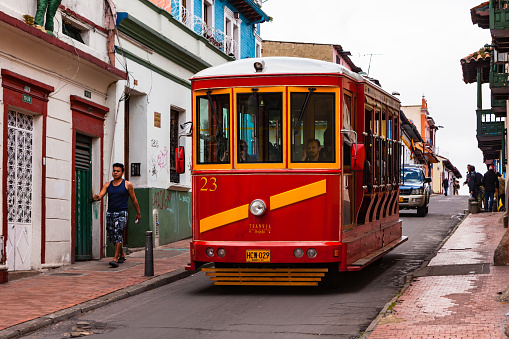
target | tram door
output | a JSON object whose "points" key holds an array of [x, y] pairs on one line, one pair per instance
{"points": [[83, 194], [348, 177]]}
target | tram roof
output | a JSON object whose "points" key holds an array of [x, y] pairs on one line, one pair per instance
{"points": [[277, 65]]}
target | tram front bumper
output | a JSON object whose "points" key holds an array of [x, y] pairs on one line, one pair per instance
{"points": [[249, 253]]}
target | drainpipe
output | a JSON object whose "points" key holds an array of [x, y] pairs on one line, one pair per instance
{"points": [[110, 26]]}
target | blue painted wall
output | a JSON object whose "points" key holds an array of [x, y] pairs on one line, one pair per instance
{"points": [[247, 39]]}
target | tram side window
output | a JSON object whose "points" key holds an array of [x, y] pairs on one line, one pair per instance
{"points": [[260, 127], [348, 138], [313, 130], [213, 115]]}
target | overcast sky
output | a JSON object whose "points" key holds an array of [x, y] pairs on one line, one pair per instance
{"points": [[418, 44]]}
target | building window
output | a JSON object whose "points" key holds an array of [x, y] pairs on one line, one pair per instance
{"points": [[72, 31], [258, 43], [208, 12], [232, 33]]}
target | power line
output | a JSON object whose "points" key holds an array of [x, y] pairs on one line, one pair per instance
{"points": [[370, 57]]}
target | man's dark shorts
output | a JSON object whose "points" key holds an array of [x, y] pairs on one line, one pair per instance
{"points": [[115, 224]]}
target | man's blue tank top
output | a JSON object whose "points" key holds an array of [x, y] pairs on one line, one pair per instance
{"points": [[117, 197]]}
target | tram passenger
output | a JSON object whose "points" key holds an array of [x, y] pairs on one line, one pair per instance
{"points": [[244, 156], [312, 152]]}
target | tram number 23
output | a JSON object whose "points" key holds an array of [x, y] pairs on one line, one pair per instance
{"points": [[208, 184]]}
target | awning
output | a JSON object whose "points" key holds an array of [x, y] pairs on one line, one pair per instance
{"points": [[450, 167], [431, 158]]}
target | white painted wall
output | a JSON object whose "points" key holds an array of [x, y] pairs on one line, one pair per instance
{"points": [[93, 10], [36, 59]]}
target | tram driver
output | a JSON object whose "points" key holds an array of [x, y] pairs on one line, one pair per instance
{"points": [[312, 151]]}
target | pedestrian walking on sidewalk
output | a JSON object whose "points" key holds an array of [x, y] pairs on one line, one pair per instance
{"points": [[490, 183], [501, 190], [445, 184], [119, 190], [468, 175], [473, 183]]}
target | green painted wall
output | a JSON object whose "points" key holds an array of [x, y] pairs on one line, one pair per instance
{"points": [[174, 211]]}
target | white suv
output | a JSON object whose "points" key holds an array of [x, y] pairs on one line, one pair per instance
{"points": [[415, 190]]}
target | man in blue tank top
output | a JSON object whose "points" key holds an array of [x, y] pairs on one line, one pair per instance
{"points": [[118, 190]]}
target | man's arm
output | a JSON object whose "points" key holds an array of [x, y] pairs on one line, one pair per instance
{"points": [[101, 194], [130, 189]]}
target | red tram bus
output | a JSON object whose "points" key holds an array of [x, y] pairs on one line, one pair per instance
{"points": [[295, 172]]}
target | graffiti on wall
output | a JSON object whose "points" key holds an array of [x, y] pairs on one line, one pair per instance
{"points": [[160, 159], [163, 159], [162, 200]]}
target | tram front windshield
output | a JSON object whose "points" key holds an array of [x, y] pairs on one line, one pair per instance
{"points": [[260, 127], [312, 131], [213, 115]]}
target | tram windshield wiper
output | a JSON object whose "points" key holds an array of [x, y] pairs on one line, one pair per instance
{"points": [[301, 114]]}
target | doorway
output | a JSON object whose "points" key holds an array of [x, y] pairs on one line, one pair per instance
{"points": [[19, 190], [83, 200]]}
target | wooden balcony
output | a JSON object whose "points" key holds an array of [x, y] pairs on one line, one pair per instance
{"points": [[498, 82], [490, 133], [499, 24]]}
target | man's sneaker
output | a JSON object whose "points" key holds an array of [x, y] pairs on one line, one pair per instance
{"points": [[113, 264], [121, 260]]}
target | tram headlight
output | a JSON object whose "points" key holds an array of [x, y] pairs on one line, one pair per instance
{"points": [[257, 207], [298, 252], [221, 252], [311, 253], [210, 252], [259, 66]]}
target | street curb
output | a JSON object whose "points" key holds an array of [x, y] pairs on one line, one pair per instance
{"points": [[408, 281], [67, 313]]}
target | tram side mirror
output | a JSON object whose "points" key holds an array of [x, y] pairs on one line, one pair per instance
{"points": [[180, 160], [358, 157]]}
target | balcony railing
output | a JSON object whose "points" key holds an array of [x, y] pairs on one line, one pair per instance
{"points": [[488, 124], [499, 81], [214, 36], [499, 14], [498, 76]]}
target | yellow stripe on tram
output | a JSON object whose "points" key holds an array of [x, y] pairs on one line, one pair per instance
{"points": [[298, 194], [224, 218]]}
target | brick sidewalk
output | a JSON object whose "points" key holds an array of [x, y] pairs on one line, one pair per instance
{"points": [[452, 305], [30, 298]]}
